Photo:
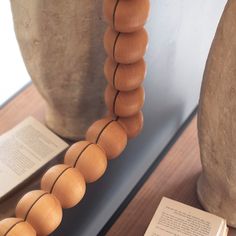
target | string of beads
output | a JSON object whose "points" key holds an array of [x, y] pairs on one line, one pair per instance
{"points": [[39, 212]]}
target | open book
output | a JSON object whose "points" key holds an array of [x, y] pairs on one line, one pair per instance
{"points": [[24, 150], [173, 218]]}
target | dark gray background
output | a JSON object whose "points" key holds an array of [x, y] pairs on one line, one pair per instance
{"points": [[180, 33]]}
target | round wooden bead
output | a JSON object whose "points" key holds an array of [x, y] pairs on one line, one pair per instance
{"points": [[88, 158], [16, 227], [124, 104], [125, 77], [125, 48], [132, 125], [109, 135], [66, 183], [41, 209], [126, 16]]}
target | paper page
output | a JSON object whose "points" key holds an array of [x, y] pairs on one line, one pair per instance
{"points": [[173, 218], [225, 229], [25, 149]]}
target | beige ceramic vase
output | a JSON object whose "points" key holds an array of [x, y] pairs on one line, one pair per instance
{"points": [[62, 46], [217, 122]]}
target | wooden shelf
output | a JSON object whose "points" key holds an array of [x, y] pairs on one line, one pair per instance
{"points": [[19, 108]]}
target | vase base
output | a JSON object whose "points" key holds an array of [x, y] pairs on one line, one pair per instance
{"points": [[216, 202], [66, 127]]}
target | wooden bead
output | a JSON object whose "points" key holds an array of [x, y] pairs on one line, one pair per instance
{"points": [[124, 104], [125, 77], [41, 209], [88, 158], [126, 16], [125, 48], [132, 125], [16, 227], [109, 135], [66, 183]]}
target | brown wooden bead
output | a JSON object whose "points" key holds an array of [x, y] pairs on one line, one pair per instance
{"points": [[109, 135], [126, 16], [16, 227], [124, 77], [66, 183], [88, 158], [41, 209], [125, 48], [124, 104], [132, 125]]}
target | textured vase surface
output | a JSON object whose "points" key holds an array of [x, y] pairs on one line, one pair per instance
{"points": [[61, 42], [217, 122]]}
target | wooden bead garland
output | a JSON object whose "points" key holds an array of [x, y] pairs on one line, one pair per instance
{"points": [[132, 125], [16, 227], [126, 16], [126, 48], [61, 179], [124, 77], [41, 209], [124, 104], [108, 134], [88, 158], [39, 212]]}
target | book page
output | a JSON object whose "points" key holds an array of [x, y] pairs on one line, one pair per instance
{"points": [[173, 218], [225, 230], [24, 150]]}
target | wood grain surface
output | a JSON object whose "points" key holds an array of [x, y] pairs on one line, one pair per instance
{"points": [[174, 177], [27, 103]]}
